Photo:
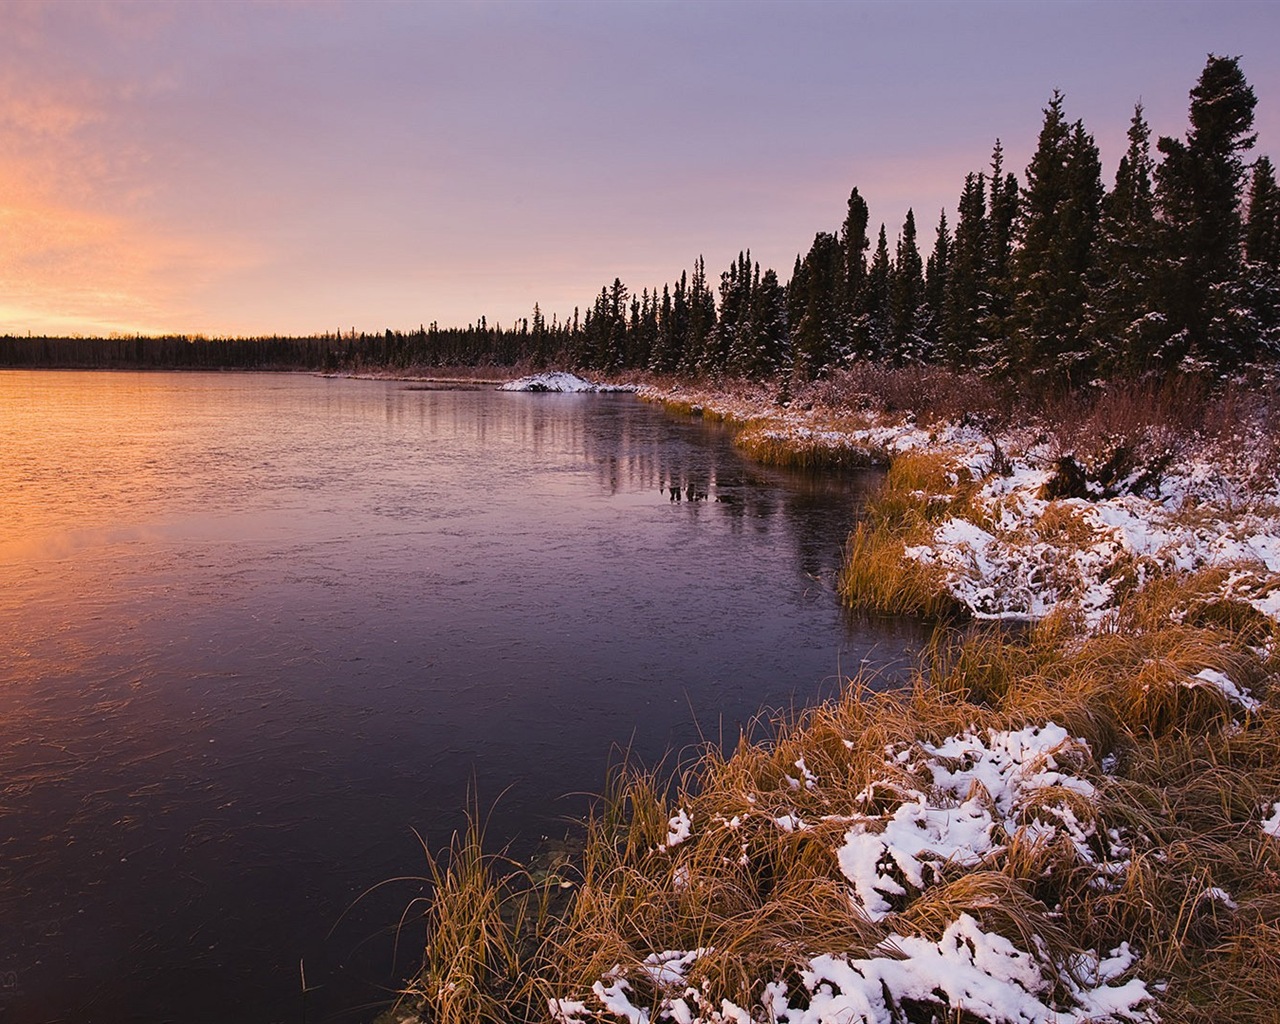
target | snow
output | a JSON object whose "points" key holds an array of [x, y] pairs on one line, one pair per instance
{"points": [[986, 791], [560, 381], [1236, 694], [1271, 825], [1215, 895], [982, 973], [1014, 567], [978, 791], [680, 827]]}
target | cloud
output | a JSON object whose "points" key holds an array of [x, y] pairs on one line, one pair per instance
{"points": [[72, 269]]}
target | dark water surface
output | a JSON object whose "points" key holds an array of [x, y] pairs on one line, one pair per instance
{"points": [[255, 629]]}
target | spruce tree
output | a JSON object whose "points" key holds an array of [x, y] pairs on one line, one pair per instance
{"points": [[875, 310], [665, 354], [1002, 213], [770, 353], [1198, 190], [906, 299], [1124, 321], [960, 331], [1262, 258], [1057, 228], [935, 284], [702, 319], [854, 244], [817, 336], [1262, 233]]}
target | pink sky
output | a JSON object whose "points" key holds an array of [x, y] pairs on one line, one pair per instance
{"points": [[237, 168]]}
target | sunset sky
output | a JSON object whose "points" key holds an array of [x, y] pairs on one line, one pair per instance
{"points": [[277, 167]]}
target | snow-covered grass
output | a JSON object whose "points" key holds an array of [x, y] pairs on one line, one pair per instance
{"points": [[1074, 820]]}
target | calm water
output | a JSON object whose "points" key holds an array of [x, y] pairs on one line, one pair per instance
{"points": [[255, 629]]}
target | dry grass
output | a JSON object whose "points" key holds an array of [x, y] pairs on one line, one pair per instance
{"points": [[1188, 774], [920, 490]]}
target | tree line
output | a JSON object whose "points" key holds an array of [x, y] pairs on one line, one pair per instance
{"points": [[1051, 281]]}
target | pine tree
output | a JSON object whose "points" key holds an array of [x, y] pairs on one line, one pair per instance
{"points": [[769, 352], [906, 298], [1198, 188], [665, 355], [997, 288], [1124, 322], [817, 334], [960, 331], [935, 283], [702, 318], [1057, 227], [733, 328], [854, 244], [1262, 232], [540, 339], [875, 311], [1262, 257]]}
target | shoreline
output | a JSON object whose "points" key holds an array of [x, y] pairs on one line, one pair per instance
{"points": [[1081, 820]]}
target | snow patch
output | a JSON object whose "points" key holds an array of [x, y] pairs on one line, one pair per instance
{"points": [[1236, 694], [560, 381], [1271, 825], [985, 791], [969, 970], [680, 827]]}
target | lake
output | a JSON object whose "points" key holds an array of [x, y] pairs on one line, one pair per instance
{"points": [[257, 629]]}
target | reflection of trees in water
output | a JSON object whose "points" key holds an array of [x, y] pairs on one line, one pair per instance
{"points": [[687, 462], [694, 464]]}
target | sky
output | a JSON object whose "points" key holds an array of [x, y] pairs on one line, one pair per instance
{"points": [[301, 167]]}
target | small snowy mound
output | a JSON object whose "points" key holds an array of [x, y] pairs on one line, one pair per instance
{"points": [[560, 382]]}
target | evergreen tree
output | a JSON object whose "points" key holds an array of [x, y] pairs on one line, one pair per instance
{"points": [[854, 243], [733, 329], [1198, 187], [1262, 258], [539, 339], [960, 332], [997, 287], [768, 352], [701, 318], [1057, 228], [665, 356], [906, 299], [935, 284], [817, 336], [875, 311], [1124, 322]]}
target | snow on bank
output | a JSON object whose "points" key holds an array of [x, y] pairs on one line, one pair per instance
{"points": [[1028, 555], [559, 381], [980, 794], [984, 975], [984, 793], [1016, 555]]}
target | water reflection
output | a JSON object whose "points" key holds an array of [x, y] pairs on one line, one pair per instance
{"points": [[257, 627]]}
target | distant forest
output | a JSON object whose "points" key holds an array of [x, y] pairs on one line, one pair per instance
{"points": [[1052, 281]]}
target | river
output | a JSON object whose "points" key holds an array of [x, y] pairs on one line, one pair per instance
{"points": [[257, 629]]}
